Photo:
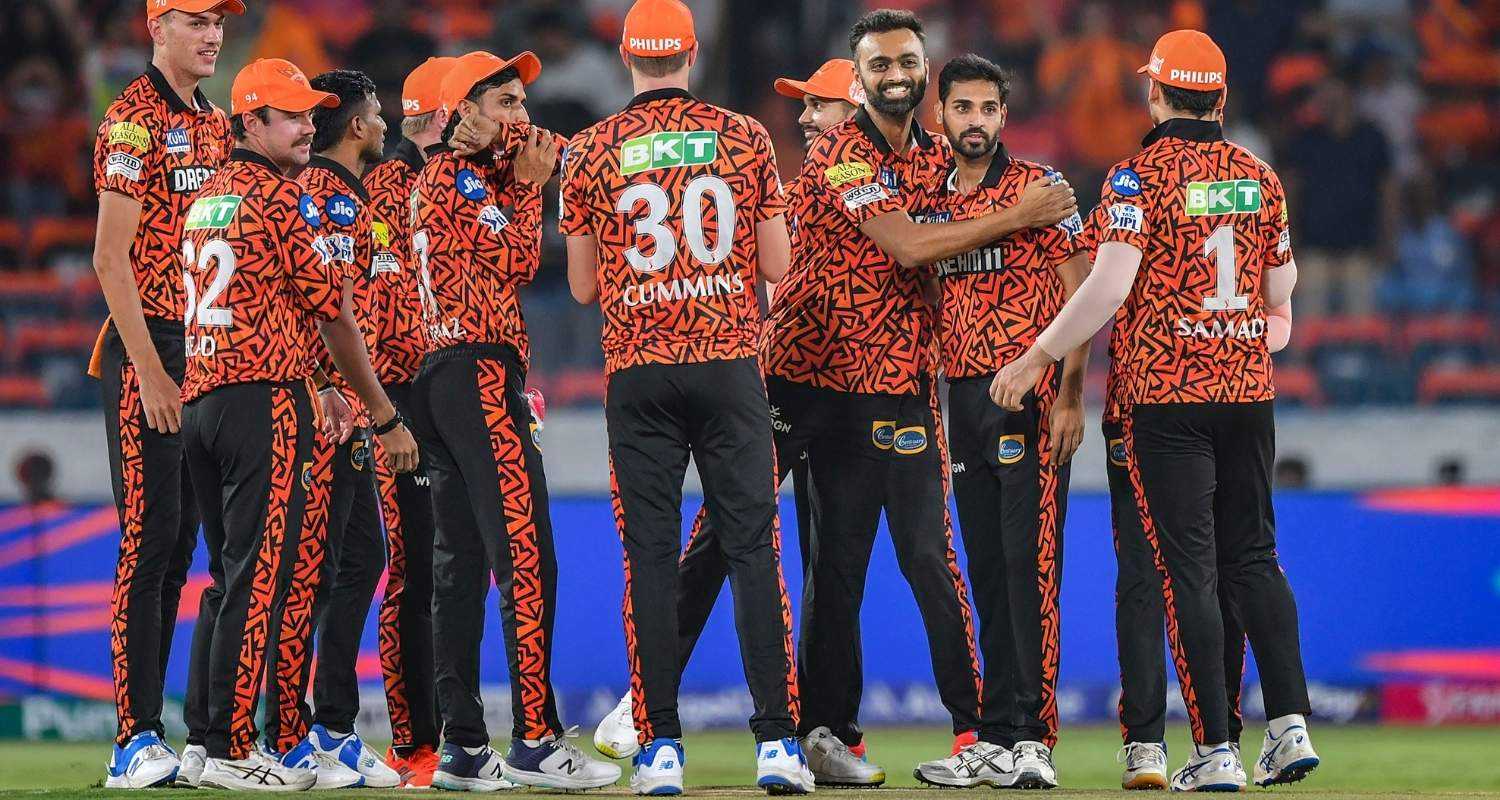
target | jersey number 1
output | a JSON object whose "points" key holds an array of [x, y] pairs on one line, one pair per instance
{"points": [[1220, 247], [657, 208]]}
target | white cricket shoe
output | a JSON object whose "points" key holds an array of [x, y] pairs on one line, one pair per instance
{"points": [[979, 764], [145, 761], [1145, 765], [616, 736], [1287, 758], [780, 767], [1209, 769], [352, 752], [1239, 763], [461, 771], [193, 757], [658, 768], [556, 763], [330, 772], [256, 772], [833, 765], [1031, 767]]}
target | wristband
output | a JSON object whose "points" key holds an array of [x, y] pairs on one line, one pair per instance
{"points": [[390, 424]]}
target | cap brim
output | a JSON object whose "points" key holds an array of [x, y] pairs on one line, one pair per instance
{"points": [[526, 63], [200, 6], [1144, 68], [787, 87], [304, 100]]}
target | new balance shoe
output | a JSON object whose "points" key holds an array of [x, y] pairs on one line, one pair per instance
{"points": [[979, 764], [191, 772], [1145, 765], [833, 764], [415, 768], [658, 768], [616, 736], [256, 772], [1209, 769], [352, 752], [556, 763], [329, 771], [143, 762], [960, 741], [470, 769], [1031, 767], [780, 767], [1287, 757]]}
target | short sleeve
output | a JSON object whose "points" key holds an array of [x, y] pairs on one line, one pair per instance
{"points": [[767, 178], [123, 153], [1277, 242], [1059, 242], [1121, 215], [315, 272], [572, 208], [842, 171]]}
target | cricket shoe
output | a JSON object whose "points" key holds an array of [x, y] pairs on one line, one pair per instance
{"points": [[556, 763], [1209, 769], [330, 772], [193, 758], [1239, 762], [352, 752], [1031, 767], [1287, 758], [1145, 765], [143, 762], [460, 770], [834, 765], [780, 767], [960, 741], [979, 764], [256, 772], [616, 735], [416, 767], [658, 768]]}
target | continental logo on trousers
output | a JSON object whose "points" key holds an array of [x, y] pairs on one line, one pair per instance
{"points": [[641, 294], [910, 441], [1117, 452], [306, 475], [359, 454], [883, 433], [1012, 448]]}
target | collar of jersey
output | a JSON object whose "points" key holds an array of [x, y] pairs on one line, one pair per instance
{"points": [[659, 94], [867, 126], [1192, 130], [159, 83], [407, 151], [351, 181], [244, 154], [999, 162]]}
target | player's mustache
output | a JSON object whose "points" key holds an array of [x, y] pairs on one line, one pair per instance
{"points": [[979, 131]]}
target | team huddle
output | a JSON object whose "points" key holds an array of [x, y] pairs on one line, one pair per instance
{"points": [[316, 353]]}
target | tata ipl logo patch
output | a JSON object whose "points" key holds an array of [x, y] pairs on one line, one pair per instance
{"points": [[666, 149], [1222, 197]]}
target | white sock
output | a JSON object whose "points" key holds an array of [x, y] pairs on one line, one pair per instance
{"points": [[1279, 725], [474, 751], [1201, 750], [339, 734]]}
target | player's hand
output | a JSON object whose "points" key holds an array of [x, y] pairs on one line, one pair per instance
{"points": [[473, 133], [1016, 379], [338, 417], [537, 157], [1046, 203], [161, 399], [1067, 426], [400, 449]]}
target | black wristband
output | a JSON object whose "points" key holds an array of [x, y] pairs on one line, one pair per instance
{"points": [[390, 424]]}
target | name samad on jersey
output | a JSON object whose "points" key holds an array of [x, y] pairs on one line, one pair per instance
{"points": [[848, 317], [400, 342], [671, 189], [999, 298], [348, 237], [1209, 219], [155, 149], [257, 277]]}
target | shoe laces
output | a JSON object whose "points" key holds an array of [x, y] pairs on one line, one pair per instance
{"points": [[565, 744], [1035, 750], [1138, 754]]}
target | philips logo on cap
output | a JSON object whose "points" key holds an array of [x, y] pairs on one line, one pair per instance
{"points": [[655, 44], [1193, 75]]}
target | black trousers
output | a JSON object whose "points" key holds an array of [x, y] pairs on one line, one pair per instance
{"points": [[250, 450], [1202, 472], [489, 496], [1012, 500], [158, 530], [1139, 635], [657, 416], [406, 659], [870, 453]]}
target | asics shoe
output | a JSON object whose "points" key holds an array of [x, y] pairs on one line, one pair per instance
{"points": [[834, 765], [1145, 765], [459, 770], [979, 764], [352, 752], [193, 757], [143, 762], [616, 735], [1287, 758], [658, 768], [556, 763], [256, 772], [961, 740], [1031, 767], [1209, 769], [780, 767]]}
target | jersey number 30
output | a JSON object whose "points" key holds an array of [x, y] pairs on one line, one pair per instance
{"points": [[664, 239]]}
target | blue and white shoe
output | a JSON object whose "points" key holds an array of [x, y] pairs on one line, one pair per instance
{"points": [[1210, 769], [462, 771], [143, 762], [658, 768], [352, 752], [780, 767], [330, 771], [1285, 759], [556, 763]]}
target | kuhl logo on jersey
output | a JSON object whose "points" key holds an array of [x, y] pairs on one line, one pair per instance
{"points": [[177, 141], [665, 149]]}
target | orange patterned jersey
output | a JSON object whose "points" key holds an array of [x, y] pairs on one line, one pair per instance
{"points": [[996, 299], [672, 189], [1209, 219], [156, 149], [258, 276], [349, 236], [848, 316], [400, 342], [477, 235]]}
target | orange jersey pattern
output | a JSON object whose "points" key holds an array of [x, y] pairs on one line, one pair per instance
{"points": [[400, 341], [672, 189], [848, 316], [1209, 219], [348, 233], [153, 148], [476, 234], [998, 298], [258, 276]]}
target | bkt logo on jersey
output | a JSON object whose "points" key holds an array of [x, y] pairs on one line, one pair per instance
{"points": [[469, 185], [341, 210], [665, 149], [1012, 448], [910, 441], [883, 433], [1222, 197], [186, 180], [1125, 182], [177, 141]]}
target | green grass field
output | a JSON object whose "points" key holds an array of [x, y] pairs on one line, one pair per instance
{"points": [[1357, 761]]}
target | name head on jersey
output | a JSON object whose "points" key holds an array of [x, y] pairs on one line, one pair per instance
{"points": [[212, 212], [1222, 197], [667, 149], [1125, 182], [308, 208], [470, 185], [341, 210]]}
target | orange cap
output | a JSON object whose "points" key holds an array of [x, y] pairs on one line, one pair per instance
{"points": [[835, 80], [155, 8], [1187, 59], [656, 28], [422, 90], [275, 83], [471, 68]]}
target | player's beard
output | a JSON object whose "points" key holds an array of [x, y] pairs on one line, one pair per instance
{"points": [[900, 107], [972, 151]]}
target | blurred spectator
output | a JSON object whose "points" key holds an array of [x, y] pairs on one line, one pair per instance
{"points": [[1391, 100], [283, 32], [1341, 191], [1250, 32], [117, 57], [386, 52], [1434, 271], [34, 472], [45, 141], [582, 81], [1092, 77], [32, 29], [1451, 472], [1291, 472]]}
